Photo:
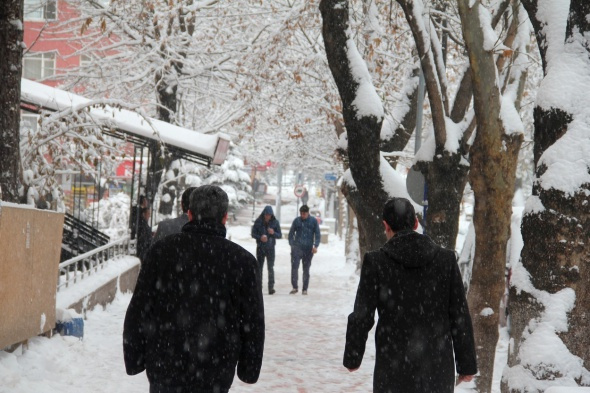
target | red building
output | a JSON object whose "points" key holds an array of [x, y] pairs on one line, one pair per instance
{"points": [[48, 52], [51, 51]]}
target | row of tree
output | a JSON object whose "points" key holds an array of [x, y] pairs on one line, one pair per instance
{"points": [[480, 144]]}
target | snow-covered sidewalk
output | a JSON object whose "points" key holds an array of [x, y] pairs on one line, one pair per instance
{"points": [[303, 352]]}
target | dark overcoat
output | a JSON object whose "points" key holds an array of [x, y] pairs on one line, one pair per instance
{"points": [[196, 313], [144, 239], [417, 290], [170, 227]]}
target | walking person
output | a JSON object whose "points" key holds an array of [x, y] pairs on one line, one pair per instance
{"points": [[144, 233], [266, 230], [304, 239], [424, 330], [304, 196], [174, 225], [135, 214], [197, 310]]}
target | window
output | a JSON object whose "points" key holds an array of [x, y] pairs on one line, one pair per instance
{"points": [[29, 122], [39, 65], [85, 60], [40, 10]]}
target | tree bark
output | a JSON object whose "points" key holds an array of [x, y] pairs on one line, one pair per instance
{"points": [[363, 132], [166, 82], [531, 8], [492, 177], [399, 139], [446, 178], [11, 52], [556, 250]]}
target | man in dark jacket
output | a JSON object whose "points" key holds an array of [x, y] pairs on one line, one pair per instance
{"points": [[416, 287], [266, 230], [304, 239], [174, 225], [144, 233], [135, 214], [197, 309]]}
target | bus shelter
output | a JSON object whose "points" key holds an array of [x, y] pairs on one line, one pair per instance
{"points": [[151, 138]]}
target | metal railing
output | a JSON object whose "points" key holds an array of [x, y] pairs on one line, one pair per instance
{"points": [[84, 265]]}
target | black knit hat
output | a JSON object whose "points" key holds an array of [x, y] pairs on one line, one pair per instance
{"points": [[399, 214], [209, 203]]}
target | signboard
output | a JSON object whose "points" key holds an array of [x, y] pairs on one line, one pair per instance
{"points": [[298, 190], [330, 176], [415, 183]]}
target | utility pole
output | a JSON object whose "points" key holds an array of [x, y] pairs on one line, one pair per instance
{"points": [[279, 191]]}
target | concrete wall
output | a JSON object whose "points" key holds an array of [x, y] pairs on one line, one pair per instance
{"points": [[105, 293], [30, 246]]}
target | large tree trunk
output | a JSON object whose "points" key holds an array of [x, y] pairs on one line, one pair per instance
{"points": [[167, 97], [446, 179], [445, 175], [11, 52], [368, 197], [492, 177], [556, 251]]}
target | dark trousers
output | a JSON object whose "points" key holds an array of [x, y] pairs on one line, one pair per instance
{"points": [[300, 255], [155, 388], [269, 254]]}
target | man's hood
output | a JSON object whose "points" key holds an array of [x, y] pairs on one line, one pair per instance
{"points": [[268, 210], [411, 249]]}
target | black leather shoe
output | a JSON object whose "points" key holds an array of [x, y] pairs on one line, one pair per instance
{"points": [[271, 291], [293, 291]]}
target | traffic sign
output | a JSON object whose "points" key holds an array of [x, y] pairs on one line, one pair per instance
{"points": [[298, 190], [415, 184], [330, 176]]}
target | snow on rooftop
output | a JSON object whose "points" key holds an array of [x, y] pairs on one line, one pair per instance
{"points": [[123, 119]]}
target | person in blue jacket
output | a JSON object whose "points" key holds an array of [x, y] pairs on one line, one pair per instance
{"points": [[304, 239], [266, 230]]}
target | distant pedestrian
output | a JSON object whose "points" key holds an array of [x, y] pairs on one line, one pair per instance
{"points": [[144, 233], [174, 225], [136, 213], [304, 196], [266, 230], [304, 239], [424, 328], [197, 314]]}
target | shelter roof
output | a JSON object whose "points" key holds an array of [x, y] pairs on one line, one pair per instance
{"points": [[129, 125]]}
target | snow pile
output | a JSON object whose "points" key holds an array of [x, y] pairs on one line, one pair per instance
{"points": [[565, 88], [367, 101]]}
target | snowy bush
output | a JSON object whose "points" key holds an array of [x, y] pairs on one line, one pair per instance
{"points": [[110, 216]]}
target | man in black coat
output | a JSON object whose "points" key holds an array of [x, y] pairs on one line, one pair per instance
{"points": [[174, 225], [197, 309], [266, 230], [416, 288], [144, 233]]}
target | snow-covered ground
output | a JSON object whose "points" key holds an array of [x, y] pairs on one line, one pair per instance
{"points": [[303, 350], [304, 339]]}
